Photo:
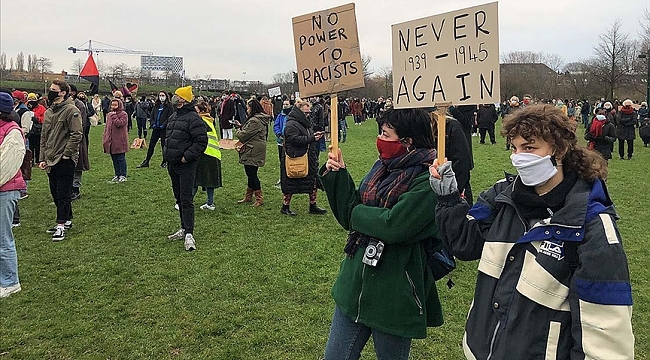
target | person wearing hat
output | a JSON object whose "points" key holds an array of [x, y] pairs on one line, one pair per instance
{"points": [[12, 148], [61, 137], [19, 103], [186, 140], [626, 120]]}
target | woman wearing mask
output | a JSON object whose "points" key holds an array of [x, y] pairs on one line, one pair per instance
{"points": [[278, 129], [601, 134], [553, 280], [252, 155], [395, 298], [300, 138], [626, 119], [160, 113], [116, 139], [208, 171]]}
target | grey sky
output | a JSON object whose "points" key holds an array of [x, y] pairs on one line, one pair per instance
{"points": [[218, 38]]}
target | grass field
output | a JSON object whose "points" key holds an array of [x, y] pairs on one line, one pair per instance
{"points": [[258, 285]]}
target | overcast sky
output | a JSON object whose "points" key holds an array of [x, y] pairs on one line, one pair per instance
{"points": [[220, 39]]}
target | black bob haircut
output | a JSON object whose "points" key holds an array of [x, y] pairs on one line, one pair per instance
{"points": [[410, 123]]}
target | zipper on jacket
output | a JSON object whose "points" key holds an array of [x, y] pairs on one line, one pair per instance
{"points": [[415, 294], [494, 336], [363, 272]]}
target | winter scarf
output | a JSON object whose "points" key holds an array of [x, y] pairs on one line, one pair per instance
{"points": [[627, 110], [386, 182], [596, 130]]}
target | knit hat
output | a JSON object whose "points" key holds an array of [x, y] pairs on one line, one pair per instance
{"points": [[32, 97], [6, 103], [627, 102], [185, 93], [17, 94], [607, 105]]}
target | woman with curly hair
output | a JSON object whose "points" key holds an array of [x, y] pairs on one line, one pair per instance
{"points": [[553, 279]]}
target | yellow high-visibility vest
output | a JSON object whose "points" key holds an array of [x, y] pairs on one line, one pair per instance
{"points": [[213, 141]]}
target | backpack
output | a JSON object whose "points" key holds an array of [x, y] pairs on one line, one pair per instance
{"points": [[36, 129]]}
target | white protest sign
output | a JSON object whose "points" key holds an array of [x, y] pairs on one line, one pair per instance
{"points": [[275, 91], [451, 57], [327, 51]]}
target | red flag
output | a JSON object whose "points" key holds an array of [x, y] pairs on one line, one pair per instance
{"points": [[91, 74]]}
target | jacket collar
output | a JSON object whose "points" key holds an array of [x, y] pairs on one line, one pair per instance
{"points": [[59, 106], [297, 115]]}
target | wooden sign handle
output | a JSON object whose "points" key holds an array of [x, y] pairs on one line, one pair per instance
{"points": [[440, 115], [334, 122]]}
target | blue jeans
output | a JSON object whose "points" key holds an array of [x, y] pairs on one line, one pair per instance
{"points": [[119, 164], [585, 119], [348, 338], [8, 258]]}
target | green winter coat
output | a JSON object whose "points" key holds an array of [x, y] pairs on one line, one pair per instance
{"points": [[399, 296], [253, 134]]}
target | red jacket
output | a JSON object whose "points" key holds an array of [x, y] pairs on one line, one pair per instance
{"points": [[116, 138], [39, 113]]}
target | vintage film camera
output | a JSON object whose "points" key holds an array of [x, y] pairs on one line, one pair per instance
{"points": [[373, 252]]}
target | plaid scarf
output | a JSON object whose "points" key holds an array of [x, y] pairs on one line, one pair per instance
{"points": [[388, 179]]}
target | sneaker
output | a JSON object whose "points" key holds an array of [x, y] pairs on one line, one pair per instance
{"points": [[15, 225], [208, 207], [67, 226], [113, 180], [23, 195], [75, 195], [163, 165], [177, 235], [189, 243], [177, 207], [59, 234], [121, 179], [6, 291]]}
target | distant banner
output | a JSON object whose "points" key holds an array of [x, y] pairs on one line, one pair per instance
{"points": [[275, 91], [451, 57], [327, 51]]}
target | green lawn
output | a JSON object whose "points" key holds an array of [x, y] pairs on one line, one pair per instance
{"points": [[258, 285]]}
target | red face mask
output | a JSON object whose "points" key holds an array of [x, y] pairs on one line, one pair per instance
{"points": [[390, 149]]}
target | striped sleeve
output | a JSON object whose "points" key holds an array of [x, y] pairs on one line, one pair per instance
{"points": [[602, 305]]}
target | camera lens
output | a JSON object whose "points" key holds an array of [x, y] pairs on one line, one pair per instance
{"points": [[371, 251]]}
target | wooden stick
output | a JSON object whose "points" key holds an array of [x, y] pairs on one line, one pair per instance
{"points": [[334, 122], [440, 115]]}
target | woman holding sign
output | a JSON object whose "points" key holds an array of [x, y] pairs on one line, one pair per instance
{"points": [[385, 287], [553, 279]]}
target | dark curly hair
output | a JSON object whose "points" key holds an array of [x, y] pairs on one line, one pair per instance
{"points": [[550, 124]]}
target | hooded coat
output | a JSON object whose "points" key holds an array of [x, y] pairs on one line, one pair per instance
{"points": [[253, 135], [298, 139], [116, 139]]}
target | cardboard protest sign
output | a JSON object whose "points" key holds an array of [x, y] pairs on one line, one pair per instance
{"points": [[327, 51], [451, 57], [275, 91]]}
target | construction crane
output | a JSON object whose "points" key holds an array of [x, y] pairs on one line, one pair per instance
{"points": [[116, 50]]}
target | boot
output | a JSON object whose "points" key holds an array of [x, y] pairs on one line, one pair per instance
{"points": [[145, 164], [287, 211], [259, 198], [314, 209], [248, 197]]}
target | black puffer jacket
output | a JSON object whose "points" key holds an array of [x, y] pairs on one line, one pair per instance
{"points": [[486, 117], [625, 129], [186, 136], [298, 139]]}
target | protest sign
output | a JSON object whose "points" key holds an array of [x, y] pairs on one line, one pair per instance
{"points": [[451, 58], [275, 91], [327, 51]]}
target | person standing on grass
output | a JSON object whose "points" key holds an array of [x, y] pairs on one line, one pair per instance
{"points": [[12, 148], [278, 129], [83, 164], [186, 141], [142, 110], [486, 117], [253, 136], [626, 120], [106, 106], [61, 137], [116, 139], [160, 114], [394, 298], [96, 103], [208, 172], [300, 138], [553, 279], [601, 134]]}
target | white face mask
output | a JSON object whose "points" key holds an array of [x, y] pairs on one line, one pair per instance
{"points": [[162, 98], [534, 169]]}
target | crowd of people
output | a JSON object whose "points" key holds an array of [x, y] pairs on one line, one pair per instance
{"points": [[552, 281]]}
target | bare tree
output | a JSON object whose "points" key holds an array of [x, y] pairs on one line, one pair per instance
{"points": [[11, 64], [44, 64], [386, 76], [365, 65], [644, 34], [20, 61], [614, 58], [3, 61], [77, 66]]}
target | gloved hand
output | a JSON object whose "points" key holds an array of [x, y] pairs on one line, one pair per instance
{"points": [[443, 179]]}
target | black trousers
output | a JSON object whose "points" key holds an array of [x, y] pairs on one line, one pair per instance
{"points": [[281, 156], [86, 134], [253, 179], [489, 131], [156, 134], [35, 147], [61, 176], [182, 177], [621, 148]]}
